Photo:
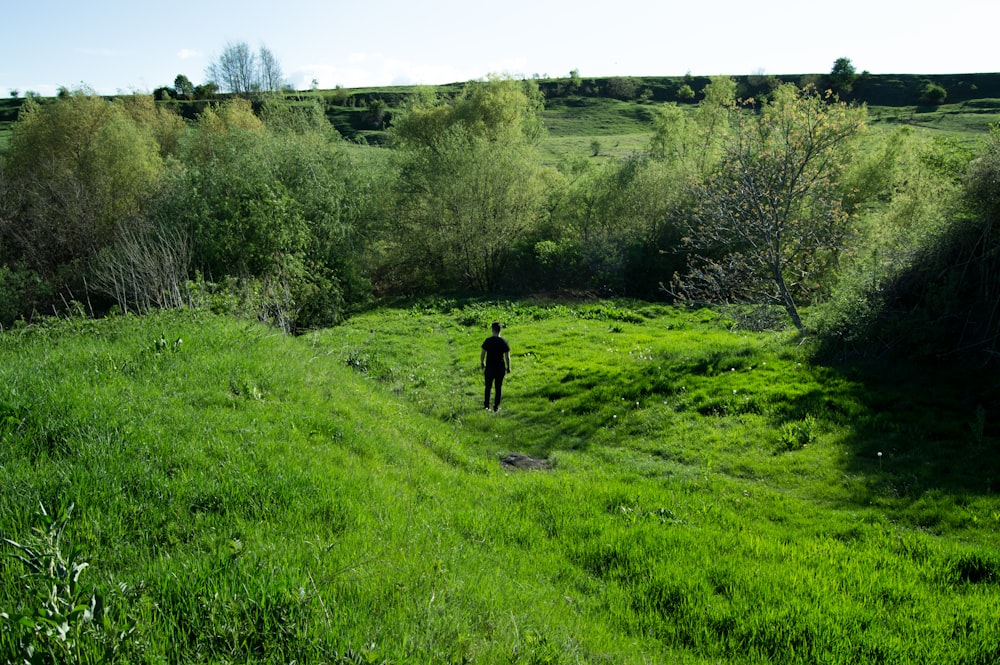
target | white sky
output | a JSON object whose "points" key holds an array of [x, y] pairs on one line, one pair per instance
{"points": [[135, 45]]}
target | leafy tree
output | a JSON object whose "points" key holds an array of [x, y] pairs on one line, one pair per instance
{"points": [[466, 200], [78, 168], [377, 112], [279, 115], [267, 205], [498, 109], [771, 215], [215, 122], [163, 124], [673, 139], [692, 142], [183, 86], [206, 90], [622, 87], [904, 190], [843, 75], [759, 85], [617, 218], [574, 80], [924, 283], [934, 94], [983, 180], [470, 183]]}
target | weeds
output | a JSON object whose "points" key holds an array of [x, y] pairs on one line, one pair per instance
{"points": [[62, 621], [799, 434]]}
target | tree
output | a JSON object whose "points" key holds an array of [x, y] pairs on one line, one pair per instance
{"points": [[469, 200], [206, 90], [470, 183], [269, 76], [692, 142], [843, 75], [241, 71], [183, 87], [933, 94], [377, 112], [165, 126], [78, 168], [574, 80], [617, 217], [622, 87], [771, 216], [234, 70], [498, 109]]}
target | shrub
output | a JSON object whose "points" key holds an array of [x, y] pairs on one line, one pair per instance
{"points": [[934, 94]]}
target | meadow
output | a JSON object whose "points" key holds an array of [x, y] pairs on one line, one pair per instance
{"points": [[191, 487]]}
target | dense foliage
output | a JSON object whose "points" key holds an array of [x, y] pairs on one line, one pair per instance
{"points": [[265, 209]]}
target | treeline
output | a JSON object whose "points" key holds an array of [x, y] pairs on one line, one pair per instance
{"points": [[784, 202]]}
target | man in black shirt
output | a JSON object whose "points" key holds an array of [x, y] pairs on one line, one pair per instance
{"points": [[495, 361]]}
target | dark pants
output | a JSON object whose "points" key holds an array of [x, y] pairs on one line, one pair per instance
{"points": [[493, 376]]}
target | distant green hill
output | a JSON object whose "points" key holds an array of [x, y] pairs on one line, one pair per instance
{"points": [[620, 106], [617, 107]]}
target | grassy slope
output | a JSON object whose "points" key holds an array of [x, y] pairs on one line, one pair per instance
{"points": [[337, 496], [623, 127]]}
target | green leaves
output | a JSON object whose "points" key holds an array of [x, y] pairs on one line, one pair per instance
{"points": [[771, 217], [470, 186]]}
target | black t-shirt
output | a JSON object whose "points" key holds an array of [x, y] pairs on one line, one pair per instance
{"points": [[495, 347]]}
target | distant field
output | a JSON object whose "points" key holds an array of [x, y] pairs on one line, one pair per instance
{"points": [[575, 122], [965, 118]]}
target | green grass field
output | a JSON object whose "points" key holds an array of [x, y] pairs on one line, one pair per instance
{"points": [[713, 496]]}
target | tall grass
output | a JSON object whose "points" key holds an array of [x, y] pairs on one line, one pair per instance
{"points": [[243, 496]]}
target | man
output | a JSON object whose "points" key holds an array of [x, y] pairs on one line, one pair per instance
{"points": [[495, 362]]}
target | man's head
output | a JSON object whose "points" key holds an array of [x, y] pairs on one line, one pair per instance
{"points": [[496, 327]]}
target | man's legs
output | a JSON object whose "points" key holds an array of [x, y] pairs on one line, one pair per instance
{"points": [[499, 382], [493, 378]]}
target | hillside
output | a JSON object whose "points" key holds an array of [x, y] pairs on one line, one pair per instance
{"points": [[616, 109], [712, 496]]}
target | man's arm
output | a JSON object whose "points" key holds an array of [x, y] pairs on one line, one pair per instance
{"points": [[506, 359], [482, 359]]}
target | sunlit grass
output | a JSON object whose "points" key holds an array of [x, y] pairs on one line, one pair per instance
{"points": [[714, 496]]}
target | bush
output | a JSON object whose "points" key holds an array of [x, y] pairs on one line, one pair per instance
{"points": [[933, 293], [934, 94], [20, 290]]}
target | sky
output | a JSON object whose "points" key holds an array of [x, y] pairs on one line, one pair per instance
{"points": [[124, 46]]}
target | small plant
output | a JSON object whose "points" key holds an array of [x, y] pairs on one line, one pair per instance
{"points": [[798, 434]]}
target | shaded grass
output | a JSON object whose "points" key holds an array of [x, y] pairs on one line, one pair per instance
{"points": [[968, 119], [247, 497]]}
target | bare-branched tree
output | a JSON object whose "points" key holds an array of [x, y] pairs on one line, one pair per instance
{"points": [[241, 71], [145, 270]]}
